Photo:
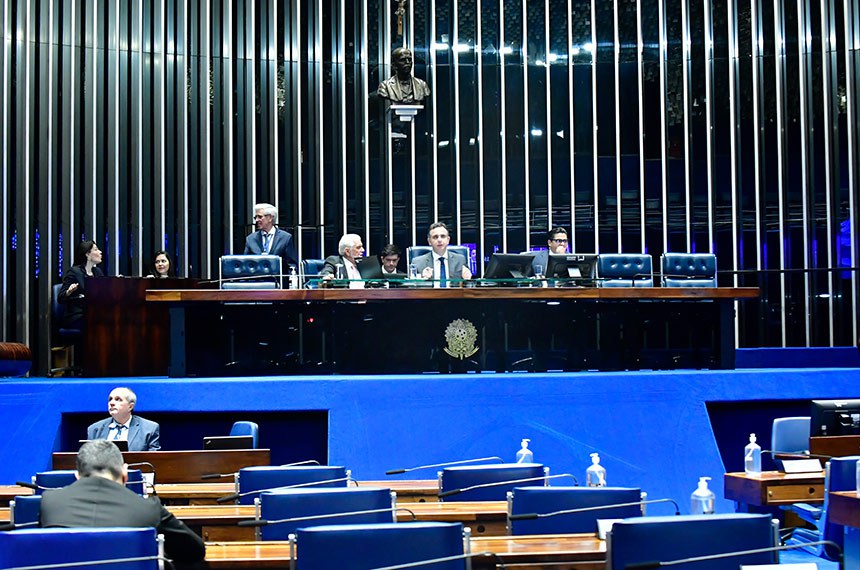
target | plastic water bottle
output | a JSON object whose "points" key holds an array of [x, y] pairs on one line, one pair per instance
{"points": [[752, 457], [595, 475], [294, 278], [525, 455], [702, 499]]}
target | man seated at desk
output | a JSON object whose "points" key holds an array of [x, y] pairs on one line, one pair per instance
{"points": [[556, 241], [441, 264], [141, 434], [99, 498], [350, 251]]}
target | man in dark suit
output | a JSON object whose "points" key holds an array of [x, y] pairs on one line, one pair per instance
{"points": [[99, 498], [556, 242], [441, 264], [350, 253], [270, 239], [141, 434]]}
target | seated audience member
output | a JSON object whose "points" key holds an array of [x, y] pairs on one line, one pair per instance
{"points": [[72, 294], [350, 250], [99, 498], [141, 434], [161, 266], [556, 241], [441, 264]]}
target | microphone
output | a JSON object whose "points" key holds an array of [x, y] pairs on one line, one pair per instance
{"points": [[461, 462], [496, 483], [734, 554], [101, 562], [796, 454], [235, 496], [27, 485], [431, 561], [263, 522], [530, 516], [220, 475], [13, 526]]}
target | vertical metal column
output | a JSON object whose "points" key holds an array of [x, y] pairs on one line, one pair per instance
{"points": [[709, 115], [686, 64], [804, 35], [830, 90], [779, 52], [616, 61]]}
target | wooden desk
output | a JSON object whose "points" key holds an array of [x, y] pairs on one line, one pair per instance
{"points": [[844, 509], [835, 445], [9, 492], [183, 466], [4, 515], [563, 552], [772, 488]]}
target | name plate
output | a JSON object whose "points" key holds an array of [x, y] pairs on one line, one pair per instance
{"points": [[801, 465]]}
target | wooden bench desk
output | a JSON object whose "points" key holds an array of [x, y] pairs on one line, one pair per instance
{"points": [[773, 488], [9, 492]]}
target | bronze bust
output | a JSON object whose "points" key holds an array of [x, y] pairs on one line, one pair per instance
{"points": [[403, 87]]}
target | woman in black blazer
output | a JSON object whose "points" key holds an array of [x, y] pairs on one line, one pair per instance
{"points": [[72, 294]]}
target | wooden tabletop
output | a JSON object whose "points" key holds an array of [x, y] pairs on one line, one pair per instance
{"points": [[844, 508], [4, 515], [9, 492], [772, 488]]}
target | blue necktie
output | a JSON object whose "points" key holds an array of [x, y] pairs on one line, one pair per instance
{"points": [[266, 239], [118, 432], [443, 273]]}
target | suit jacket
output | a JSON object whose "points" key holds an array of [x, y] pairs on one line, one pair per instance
{"points": [[99, 502], [73, 310], [282, 246], [541, 257], [142, 434], [456, 263]]}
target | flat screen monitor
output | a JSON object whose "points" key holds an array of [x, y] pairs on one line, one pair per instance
{"points": [[509, 266], [228, 442], [835, 417], [581, 267]]}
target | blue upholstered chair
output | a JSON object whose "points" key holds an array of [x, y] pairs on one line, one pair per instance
{"points": [[625, 270], [664, 539], [247, 428], [689, 269], [459, 483], [54, 479], [43, 546], [365, 546], [63, 339], [300, 503], [790, 435], [250, 272], [310, 270], [250, 481], [543, 500], [25, 510], [419, 250]]}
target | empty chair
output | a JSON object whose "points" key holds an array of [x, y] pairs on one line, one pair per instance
{"points": [[345, 506], [665, 539], [543, 500], [250, 272], [488, 482], [250, 481], [25, 509], [44, 546], [789, 435], [246, 428], [54, 479], [689, 269], [361, 547], [625, 270], [310, 270]]}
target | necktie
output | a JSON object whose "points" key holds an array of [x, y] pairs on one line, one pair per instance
{"points": [[443, 273], [118, 433], [266, 239]]}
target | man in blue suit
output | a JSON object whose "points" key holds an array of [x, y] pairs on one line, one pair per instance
{"points": [[270, 239], [141, 434]]}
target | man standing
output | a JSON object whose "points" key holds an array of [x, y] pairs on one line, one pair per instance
{"points": [[350, 250], [441, 264], [269, 239], [99, 498], [556, 241], [141, 434]]}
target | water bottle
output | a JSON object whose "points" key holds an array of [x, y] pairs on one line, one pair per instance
{"points": [[294, 278], [525, 455], [339, 271], [595, 475], [702, 499], [752, 457], [413, 271]]}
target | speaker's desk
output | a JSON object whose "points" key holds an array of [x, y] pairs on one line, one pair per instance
{"points": [[561, 552], [773, 488], [458, 329]]}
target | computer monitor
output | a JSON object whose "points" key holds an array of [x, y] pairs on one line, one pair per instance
{"points": [[581, 267], [228, 442], [509, 266], [835, 417]]}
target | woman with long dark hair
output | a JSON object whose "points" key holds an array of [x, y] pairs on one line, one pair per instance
{"points": [[72, 294], [161, 266]]}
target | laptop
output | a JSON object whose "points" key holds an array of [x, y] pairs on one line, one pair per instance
{"points": [[228, 442], [120, 443]]}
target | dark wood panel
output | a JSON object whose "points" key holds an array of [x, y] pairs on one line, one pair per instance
{"points": [[835, 445]]}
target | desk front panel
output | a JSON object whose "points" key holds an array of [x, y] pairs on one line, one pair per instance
{"points": [[772, 488]]}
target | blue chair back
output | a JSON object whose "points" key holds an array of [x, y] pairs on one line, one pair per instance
{"points": [[790, 435], [298, 503], [250, 272], [689, 269], [664, 539], [135, 481], [42, 546], [625, 270], [840, 476], [362, 547], [419, 250], [54, 479], [246, 428], [542, 500], [310, 270], [461, 478], [25, 509], [264, 478]]}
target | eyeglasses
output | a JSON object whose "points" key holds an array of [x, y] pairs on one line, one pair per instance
{"points": [[562, 240]]}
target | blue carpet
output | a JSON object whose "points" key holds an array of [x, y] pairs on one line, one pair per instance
{"points": [[801, 557]]}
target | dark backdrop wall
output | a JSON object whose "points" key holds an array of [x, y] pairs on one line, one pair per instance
{"points": [[644, 125]]}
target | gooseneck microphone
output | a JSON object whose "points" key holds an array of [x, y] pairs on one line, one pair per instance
{"points": [[461, 462], [221, 475], [497, 483], [33, 486], [263, 522], [234, 496], [13, 526], [530, 516], [734, 554]]}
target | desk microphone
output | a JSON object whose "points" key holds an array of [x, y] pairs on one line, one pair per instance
{"points": [[530, 516], [263, 522], [461, 462], [235, 496], [796, 454], [496, 483], [13, 526], [221, 475], [432, 561], [734, 554], [33, 486]]}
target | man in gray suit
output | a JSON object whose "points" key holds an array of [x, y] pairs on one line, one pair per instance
{"points": [[141, 434], [269, 238], [99, 498], [441, 264]]}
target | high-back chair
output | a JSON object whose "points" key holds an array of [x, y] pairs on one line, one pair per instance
{"points": [[250, 272], [624, 270], [419, 250], [63, 339], [689, 269], [348, 505], [247, 428], [25, 510], [310, 270], [488, 482], [54, 479], [250, 481], [366, 546], [44, 546], [789, 435], [550, 500], [665, 539]]}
